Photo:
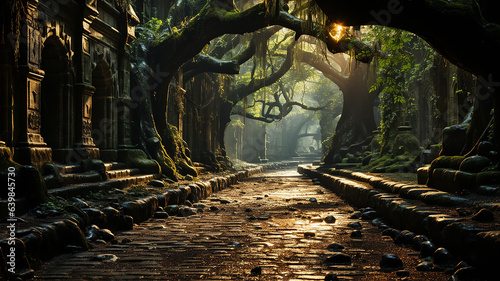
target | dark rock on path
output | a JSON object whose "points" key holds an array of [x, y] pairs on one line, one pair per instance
{"points": [[355, 225], [405, 237], [256, 271], [484, 215], [338, 259], [369, 215], [330, 219], [161, 215], [427, 249], [391, 262], [331, 277], [356, 234], [172, 210], [425, 266], [335, 247], [106, 235], [418, 240], [442, 256], [356, 215]]}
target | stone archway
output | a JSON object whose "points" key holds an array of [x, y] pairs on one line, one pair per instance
{"points": [[57, 99], [104, 113], [7, 91]]}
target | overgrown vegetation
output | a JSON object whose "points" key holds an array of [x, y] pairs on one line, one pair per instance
{"points": [[402, 60]]}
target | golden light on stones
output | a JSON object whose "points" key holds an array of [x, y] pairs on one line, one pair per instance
{"points": [[336, 31]]}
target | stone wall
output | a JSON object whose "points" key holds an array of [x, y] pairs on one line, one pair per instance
{"points": [[66, 98]]}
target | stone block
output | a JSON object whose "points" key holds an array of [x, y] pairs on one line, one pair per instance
{"points": [[444, 179], [414, 192], [141, 209], [488, 247], [422, 175], [185, 191], [461, 237], [137, 158], [465, 180], [435, 225]]}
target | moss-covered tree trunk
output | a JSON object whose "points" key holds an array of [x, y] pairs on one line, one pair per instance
{"points": [[357, 121]]}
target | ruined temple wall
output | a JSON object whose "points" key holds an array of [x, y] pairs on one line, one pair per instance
{"points": [[70, 94]]}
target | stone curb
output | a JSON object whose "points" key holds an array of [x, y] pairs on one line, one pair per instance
{"points": [[48, 240], [392, 201]]}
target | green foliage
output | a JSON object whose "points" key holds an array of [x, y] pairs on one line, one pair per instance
{"points": [[56, 205], [100, 195], [138, 190], [124, 4], [399, 65], [154, 31]]}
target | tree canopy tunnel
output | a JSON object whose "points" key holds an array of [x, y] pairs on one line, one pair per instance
{"points": [[204, 39], [163, 49]]}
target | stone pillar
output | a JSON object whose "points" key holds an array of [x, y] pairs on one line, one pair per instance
{"points": [[84, 146], [124, 102], [30, 148]]}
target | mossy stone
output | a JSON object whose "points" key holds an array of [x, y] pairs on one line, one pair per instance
{"points": [[454, 138], [405, 142], [465, 180], [375, 143], [474, 164], [94, 165], [490, 177], [137, 158]]}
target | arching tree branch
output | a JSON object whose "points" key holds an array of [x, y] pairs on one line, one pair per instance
{"points": [[204, 63]]}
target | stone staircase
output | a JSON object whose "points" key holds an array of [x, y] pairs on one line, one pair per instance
{"points": [[74, 180]]}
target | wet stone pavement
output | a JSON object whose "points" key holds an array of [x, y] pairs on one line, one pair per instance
{"points": [[268, 227]]}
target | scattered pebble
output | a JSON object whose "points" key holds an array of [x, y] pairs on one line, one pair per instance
{"points": [[425, 266], [484, 215], [256, 271], [330, 219], [390, 262], [355, 225], [331, 277], [338, 259], [356, 234], [105, 258], [335, 247]]}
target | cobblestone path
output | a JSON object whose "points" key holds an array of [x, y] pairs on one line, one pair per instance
{"points": [[269, 227]]}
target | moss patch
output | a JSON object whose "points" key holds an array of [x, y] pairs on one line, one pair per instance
{"points": [[405, 143]]}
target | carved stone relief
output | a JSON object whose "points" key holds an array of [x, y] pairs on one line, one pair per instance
{"points": [[34, 49], [34, 95], [34, 120], [87, 127], [87, 106]]}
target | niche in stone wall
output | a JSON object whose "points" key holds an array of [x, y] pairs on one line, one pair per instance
{"points": [[104, 117], [6, 95], [56, 98]]}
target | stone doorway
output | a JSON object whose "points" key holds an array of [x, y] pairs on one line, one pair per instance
{"points": [[57, 99], [6, 96], [104, 113]]}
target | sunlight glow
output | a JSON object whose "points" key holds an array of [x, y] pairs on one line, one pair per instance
{"points": [[339, 32]]}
